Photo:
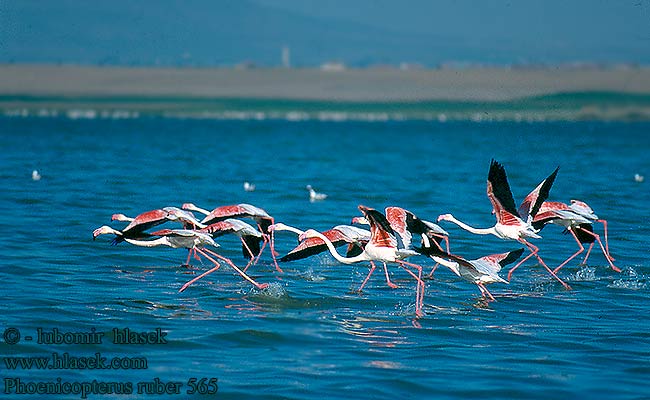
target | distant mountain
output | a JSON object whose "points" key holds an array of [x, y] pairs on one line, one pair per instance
{"points": [[230, 32]]}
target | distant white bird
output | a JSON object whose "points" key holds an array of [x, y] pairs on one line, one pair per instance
{"points": [[249, 187], [36, 176], [315, 196], [637, 178]]}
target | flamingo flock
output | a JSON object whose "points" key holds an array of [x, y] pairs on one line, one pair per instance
{"points": [[395, 237]]}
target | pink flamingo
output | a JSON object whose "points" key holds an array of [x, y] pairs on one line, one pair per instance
{"points": [[482, 271], [510, 222], [381, 247], [339, 235], [261, 218], [406, 224], [188, 239], [577, 220], [248, 235]]}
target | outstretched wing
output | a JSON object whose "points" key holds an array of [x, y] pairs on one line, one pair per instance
{"points": [[381, 233], [499, 193], [532, 203]]}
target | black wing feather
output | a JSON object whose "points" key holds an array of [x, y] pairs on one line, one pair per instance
{"points": [[544, 192], [511, 257], [501, 188]]}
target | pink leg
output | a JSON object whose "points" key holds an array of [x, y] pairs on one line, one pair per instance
{"points": [[604, 222], [186, 285], [252, 259], [485, 292], [446, 239], [419, 289], [534, 251], [240, 272], [189, 255], [615, 268], [591, 246], [274, 254], [388, 282], [372, 269], [580, 250]]}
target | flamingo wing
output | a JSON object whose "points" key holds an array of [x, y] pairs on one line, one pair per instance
{"points": [[146, 220], [397, 217], [532, 203], [381, 233], [500, 195], [314, 245]]}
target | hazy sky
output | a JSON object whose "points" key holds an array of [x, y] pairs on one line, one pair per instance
{"points": [[358, 32]]}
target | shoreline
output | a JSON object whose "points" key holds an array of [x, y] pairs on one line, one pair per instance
{"points": [[298, 94], [372, 84]]}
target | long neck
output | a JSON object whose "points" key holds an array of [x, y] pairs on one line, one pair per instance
{"points": [[283, 227], [477, 231], [149, 243], [345, 260], [197, 209], [452, 265]]}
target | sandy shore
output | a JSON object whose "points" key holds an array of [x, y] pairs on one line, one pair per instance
{"points": [[351, 85]]}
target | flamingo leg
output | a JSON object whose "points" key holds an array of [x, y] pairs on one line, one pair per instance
{"points": [[591, 246], [604, 222], [615, 268], [485, 291], [372, 269], [419, 288], [253, 259], [433, 270], [580, 250], [187, 284], [274, 253], [446, 239], [189, 255], [534, 249], [388, 282], [240, 272]]}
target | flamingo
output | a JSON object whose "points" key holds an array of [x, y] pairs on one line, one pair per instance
{"points": [[481, 271], [339, 235], [407, 224], [577, 220], [381, 247], [173, 214], [510, 222], [136, 227], [192, 240], [249, 236], [261, 218], [314, 195]]}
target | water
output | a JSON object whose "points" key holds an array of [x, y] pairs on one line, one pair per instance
{"points": [[309, 335]]}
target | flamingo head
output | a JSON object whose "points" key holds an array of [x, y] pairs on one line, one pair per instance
{"points": [[360, 221], [188, 206], [583, 208], [307, 234], [120, 217], [445, 217], [103, 230]]}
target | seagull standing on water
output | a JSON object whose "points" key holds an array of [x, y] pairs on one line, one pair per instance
{"points": [[314, 195]]}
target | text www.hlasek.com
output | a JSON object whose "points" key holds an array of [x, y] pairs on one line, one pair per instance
{"points": [[67, 361]]}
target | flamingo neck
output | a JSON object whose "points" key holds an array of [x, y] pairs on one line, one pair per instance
{"points": [[149, 243], [345, 260], [198, 209], [283, 227], [476, 231]]}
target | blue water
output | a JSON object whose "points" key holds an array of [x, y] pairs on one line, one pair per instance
{"points": [[310, 336]]}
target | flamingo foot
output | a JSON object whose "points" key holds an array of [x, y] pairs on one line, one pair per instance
{"points": [[392, 285]]}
